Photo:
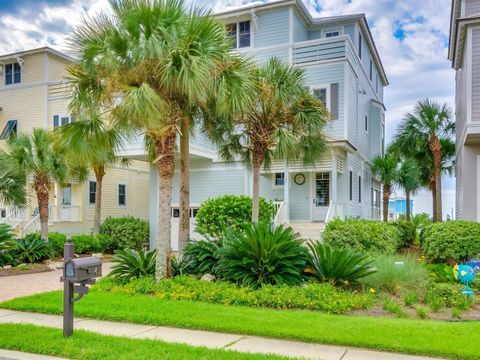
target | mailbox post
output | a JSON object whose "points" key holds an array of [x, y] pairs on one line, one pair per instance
{"points": [[77, 274]]}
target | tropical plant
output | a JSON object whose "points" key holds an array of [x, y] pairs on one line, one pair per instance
{"points": [[407, 233], [385, 167], [216, 215], [180, 265], [263, 255], [202, 256], [32, 249], [7, 244], [337, 265], [426, 133], [283, 120], [396, 274], [38, 156], [409, 180], [148, 62], [130, 264], [12, 185], [125, 232]]}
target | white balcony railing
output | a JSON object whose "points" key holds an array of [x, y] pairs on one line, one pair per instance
{"points": [[280, 213], [317, 51], [64, 213]]}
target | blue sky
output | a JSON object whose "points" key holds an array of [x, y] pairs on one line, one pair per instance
{"points": [[411, 36]]}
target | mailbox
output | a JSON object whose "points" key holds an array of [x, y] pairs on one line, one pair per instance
{"points": [[83, 269]]}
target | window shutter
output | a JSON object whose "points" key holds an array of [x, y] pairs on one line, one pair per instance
{"points": [[334, 101], [55, 121]]}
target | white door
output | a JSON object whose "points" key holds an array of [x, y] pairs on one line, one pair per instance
{"points": [[67, 194], [321, 196]]}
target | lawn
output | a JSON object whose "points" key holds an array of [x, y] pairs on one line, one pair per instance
{"points": [[86, 345], [448, 339]]}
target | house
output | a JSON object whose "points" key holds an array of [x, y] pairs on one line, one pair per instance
{"points": [[344, 70], [464, 53], [397, 206], [34, 94]]}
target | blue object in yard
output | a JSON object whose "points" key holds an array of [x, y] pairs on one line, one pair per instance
{"points": [[466, 274], [475, 264]]}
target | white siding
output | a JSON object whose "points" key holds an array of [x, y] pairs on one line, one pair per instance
{"points": [[476, 74], [472, 7]]}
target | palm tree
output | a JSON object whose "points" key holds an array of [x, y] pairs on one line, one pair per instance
{"points": [[37, 155], [409, 180], [385, 167], [12, 186], [151, 61], [283, 120], [423, 131]]}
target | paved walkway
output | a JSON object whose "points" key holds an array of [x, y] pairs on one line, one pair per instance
{"points": [[242, 343], [16, 355]]}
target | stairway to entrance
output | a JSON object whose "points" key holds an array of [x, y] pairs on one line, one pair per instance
{"points": [[308, 230]]}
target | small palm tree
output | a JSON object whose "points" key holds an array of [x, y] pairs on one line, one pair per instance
{"points": [[423, 132], [409, 180], [385, 168], [12, 186], [283, 120]]}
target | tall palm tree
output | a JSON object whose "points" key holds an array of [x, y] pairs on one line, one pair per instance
{"points": [[37, 155], [283, 120], [12, 186], [152, 59], [423, 131], [409, 180], [385, 167]]}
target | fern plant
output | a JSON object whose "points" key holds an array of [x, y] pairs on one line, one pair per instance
{"points": [[7, 245], [263, 255], [338, 265], [32, 249], [202, 256], [131, 264]]}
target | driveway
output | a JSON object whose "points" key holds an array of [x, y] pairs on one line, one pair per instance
{"points": [[29, 284]]}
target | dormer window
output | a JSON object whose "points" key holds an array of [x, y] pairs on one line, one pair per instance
{"points": [[332, 33], [13, 74], [239, 33]]}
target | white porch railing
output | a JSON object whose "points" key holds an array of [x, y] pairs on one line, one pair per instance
{"points": [[280, 213], [64, 213], [32, 226], [335, 210], [15, 217]]}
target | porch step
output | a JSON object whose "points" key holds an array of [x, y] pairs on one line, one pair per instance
{"points": [[308, 230]]}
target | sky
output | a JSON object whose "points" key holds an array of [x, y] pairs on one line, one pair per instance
{"points": [[411, 37]]}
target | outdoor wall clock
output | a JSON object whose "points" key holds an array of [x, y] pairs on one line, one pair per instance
{"points": [[299, 179]]}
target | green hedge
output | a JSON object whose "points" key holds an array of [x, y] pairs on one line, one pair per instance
{"points": [[229, 211], [125, 233], [453, 240], [407, 233], [83, 243], [362, 235]]}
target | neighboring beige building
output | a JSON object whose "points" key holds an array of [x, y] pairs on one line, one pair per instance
{"points": [[464, 53], [33, 94]]}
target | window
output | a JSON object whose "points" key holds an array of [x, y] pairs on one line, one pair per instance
{"points": [[351, 185], [122, 195], [239, 33], [13, 74], [321, 94], [371, 70], [193, 212], [10, 129], [360, 45], [279, 179], [62, 120], [3, 213], [322, 189], [376, 198], [175, 212], [366, 123], [92, 192], [332, 33], [359, 189]]}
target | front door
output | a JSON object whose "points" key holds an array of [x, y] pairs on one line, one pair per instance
{"points": [[67, 194], [321, 196]]}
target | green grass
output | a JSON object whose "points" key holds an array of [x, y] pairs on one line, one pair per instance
{"points": [[86, 345], [434, 338]]}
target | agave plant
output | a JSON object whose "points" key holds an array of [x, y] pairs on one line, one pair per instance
{"points": [[338, 265], [32, 249], [262, 254], [7, 244], [132, 264]]}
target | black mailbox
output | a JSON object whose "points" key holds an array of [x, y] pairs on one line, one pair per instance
{"points": [[82, 269]]}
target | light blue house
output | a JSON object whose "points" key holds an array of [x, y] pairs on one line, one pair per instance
{"points": [[398, 206], [344, 70]]}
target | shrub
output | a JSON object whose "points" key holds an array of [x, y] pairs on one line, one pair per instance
{"points": [[7, 245], [130, 263], [422, 312], [394, 277], [125, 233], [83, 243], [56, 240], [441, 273], [202, 257], [362, 235], [393, 307], [263, 255], [338, 265], [311, 296], [229, 211], [410, 298], [439, 295], [457, 240], [32, 249], [407, 233]]}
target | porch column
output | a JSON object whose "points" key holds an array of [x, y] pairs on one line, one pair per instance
{"points": [[333, 196], [286, 185]]}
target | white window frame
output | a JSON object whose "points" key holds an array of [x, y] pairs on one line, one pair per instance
{"points": [[323, 86], [237, 33], [118, 195], [274, 177], [326, 31], [4, 70], [60, 117]]}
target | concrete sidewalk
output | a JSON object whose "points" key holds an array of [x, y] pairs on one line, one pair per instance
{"points": [[17, 355], [242, 343]]}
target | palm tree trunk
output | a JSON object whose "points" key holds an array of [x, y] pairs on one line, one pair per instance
{"points": [[165, 147], [257, 161], [409, 210], [41, 185], [386, 198], [439, 197], [184, 220], [433, 190], [99, 174], [436, 149]]}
